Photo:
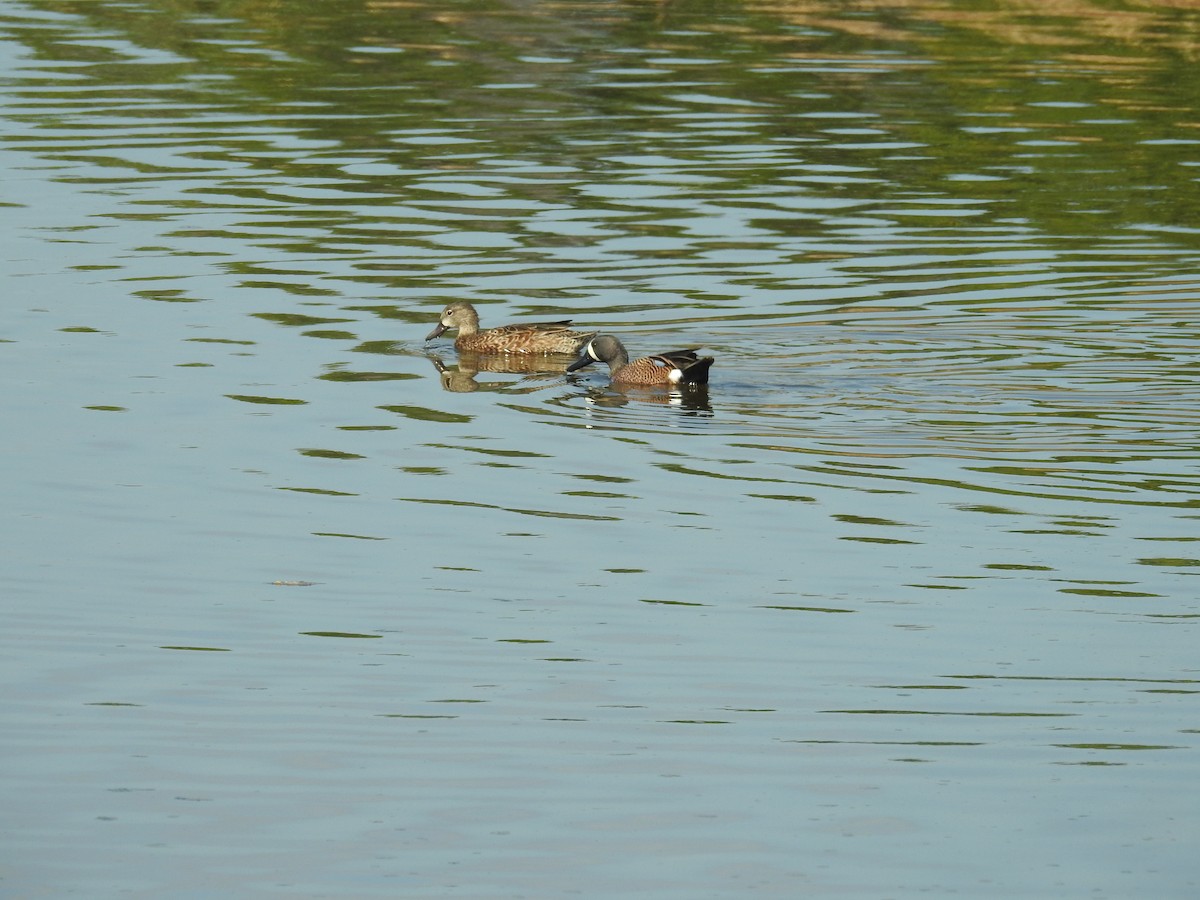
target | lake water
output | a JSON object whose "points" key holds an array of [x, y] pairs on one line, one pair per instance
{"points": [[903, 604]]}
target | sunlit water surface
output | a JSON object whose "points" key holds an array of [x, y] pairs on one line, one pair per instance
{"points": [[902, 604]]}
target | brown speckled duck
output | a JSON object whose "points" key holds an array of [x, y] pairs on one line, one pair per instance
{"points": [[531, 337], [671, 368]]}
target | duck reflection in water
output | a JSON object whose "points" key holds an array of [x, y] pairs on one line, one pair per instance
{"points": [[540, 371], [694, 398]]}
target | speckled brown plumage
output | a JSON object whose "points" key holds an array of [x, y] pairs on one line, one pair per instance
{"points": [[523, 337], [670, 368]]}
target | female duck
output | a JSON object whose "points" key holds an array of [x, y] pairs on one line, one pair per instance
{"points": [[532, 337], [670, 368]]}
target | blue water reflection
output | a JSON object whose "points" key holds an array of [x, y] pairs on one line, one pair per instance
{"points": [[900, 604]]}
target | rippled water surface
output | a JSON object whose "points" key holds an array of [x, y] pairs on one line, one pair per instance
{"points": [[902, 604]]}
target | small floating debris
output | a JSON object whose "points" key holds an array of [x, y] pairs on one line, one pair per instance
{"points": [[202, 649]]}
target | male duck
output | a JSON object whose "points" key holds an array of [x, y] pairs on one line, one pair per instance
{"points": [[670, 368], [531, 337]]}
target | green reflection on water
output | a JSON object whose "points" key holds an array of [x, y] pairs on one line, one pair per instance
{"points": [[269, 401], [1068, 124], [425, 414], [338, 634]]}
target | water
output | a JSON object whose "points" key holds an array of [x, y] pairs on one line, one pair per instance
{"points": [[901, 605]]}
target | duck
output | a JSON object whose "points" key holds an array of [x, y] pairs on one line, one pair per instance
{"points": [[524, 337], [673, 367]]}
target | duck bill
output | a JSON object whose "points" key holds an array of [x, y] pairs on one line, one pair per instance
{"points": [[579, 363], [437, 332]]}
